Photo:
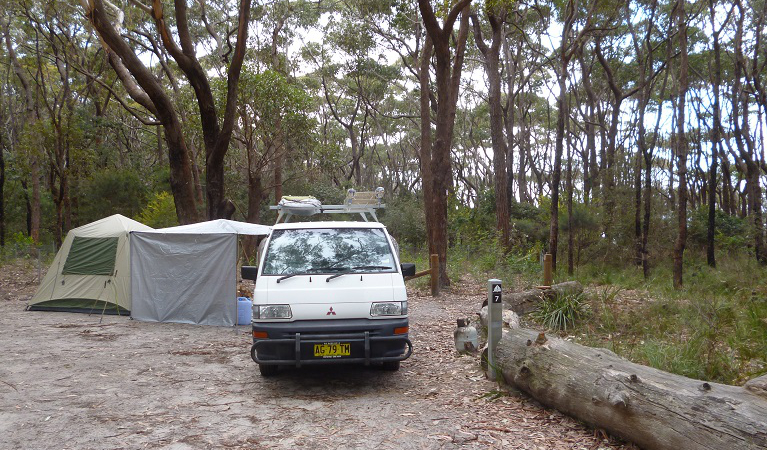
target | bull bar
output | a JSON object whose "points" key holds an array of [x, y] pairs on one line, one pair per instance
{"points": [[323, 338]]}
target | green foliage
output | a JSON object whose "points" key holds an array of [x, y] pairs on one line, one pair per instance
{"points": [[715, 328], [406, 221], [111, 192], [18, 245], [530, 225], [160, 212], [467, 224], [561, 312], [731, 232]]}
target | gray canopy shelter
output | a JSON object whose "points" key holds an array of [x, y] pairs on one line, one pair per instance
{"points": [[188, 274]]}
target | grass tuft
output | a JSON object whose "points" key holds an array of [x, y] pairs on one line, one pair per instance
{"points": [[562, 312]]}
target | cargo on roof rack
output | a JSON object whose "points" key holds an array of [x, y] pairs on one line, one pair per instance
{"points": [[362, 203]]}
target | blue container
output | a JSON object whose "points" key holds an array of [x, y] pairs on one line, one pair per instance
{"points": [[244, 310]]}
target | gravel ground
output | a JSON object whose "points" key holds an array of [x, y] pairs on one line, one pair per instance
{"points": [[87, 382]]}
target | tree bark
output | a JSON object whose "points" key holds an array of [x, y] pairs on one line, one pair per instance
{"points": [[716, 135], [447, 81], [649, 407], [31, 117], [681, 146], [569, 188], [619, 95], [556, 171], [146, 89], [491, 59], [427, 180], [181, 180]]}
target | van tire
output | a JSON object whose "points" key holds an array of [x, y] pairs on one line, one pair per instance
{"points": [[268, 370], [391, 366]]}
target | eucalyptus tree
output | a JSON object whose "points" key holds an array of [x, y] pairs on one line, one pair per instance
{"points": [[435, 155], [523, 58], [279, 23], [649, 67], [619, 79], [716, 126], [62, 100], [273, 114], [746, 157], [680, 142], [496, 16], [569, 45], [356, 82], [24, 130], [191, 27]]}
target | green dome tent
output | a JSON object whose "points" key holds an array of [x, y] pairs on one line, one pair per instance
{"points": [[91, 271]]}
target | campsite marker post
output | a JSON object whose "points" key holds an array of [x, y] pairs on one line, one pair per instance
{"points": [[494, 319]]}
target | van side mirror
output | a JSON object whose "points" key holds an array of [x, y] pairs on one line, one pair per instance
{"points": [[249, 272], [408, 269]]}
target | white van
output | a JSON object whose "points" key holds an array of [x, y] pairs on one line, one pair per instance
{"points": [[329, 292]]}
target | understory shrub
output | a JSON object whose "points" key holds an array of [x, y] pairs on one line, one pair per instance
{"points": [[561, 312]]}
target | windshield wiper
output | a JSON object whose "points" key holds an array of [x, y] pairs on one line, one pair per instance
{"points": [[326, 269], [348, 271], [286, 277]]}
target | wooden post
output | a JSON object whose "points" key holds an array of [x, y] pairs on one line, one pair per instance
{"points": [[434, 263], [548, 276]]}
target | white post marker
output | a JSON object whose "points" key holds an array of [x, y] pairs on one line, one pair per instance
{"points": [[495, 322]]}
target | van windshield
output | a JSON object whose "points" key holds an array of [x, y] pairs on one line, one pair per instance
{"points": [[328, 250]]}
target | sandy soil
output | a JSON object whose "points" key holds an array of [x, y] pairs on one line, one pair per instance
{"points": [[86, 382]]}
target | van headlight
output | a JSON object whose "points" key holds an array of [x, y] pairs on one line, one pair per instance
{"points": [[272, 312], [388, 309]]}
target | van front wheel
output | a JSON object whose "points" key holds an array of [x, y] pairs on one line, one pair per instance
{"points": [[391, 366], [268, 370]]}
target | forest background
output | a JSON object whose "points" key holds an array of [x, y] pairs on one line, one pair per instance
{"points": [[625, 138]]}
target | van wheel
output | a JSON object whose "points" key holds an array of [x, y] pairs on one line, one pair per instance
{"points": [[391, 366], [268, 370]]}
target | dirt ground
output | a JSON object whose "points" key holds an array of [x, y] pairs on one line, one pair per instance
{"points": [[77, 381]]}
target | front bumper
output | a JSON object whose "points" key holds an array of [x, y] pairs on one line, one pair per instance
{"points": [[292, 343]]}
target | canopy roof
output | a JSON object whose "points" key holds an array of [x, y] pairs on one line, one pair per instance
{"points": [[219, 226]]}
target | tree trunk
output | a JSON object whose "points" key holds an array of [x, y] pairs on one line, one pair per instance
{"points": [[556, 170], [748, 160], [591, 101], [716, 138], [33, 204], [447, 80], [681, 145], [491, 58], [728, 199], [569, 182], [427, 180], [157, 101], [652, 408], [639, 257], [2, 186]]}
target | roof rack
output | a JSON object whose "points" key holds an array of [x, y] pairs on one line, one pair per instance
{"points": [[362, 203]]}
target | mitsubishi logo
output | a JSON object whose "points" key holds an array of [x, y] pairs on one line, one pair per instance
{"points": [[331, 312]]}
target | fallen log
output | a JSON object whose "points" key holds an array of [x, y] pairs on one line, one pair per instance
{"points": [[510, 318], [526, 301], [652, 408]]}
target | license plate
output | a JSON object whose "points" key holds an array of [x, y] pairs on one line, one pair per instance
{"points": [[332, 350]]}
